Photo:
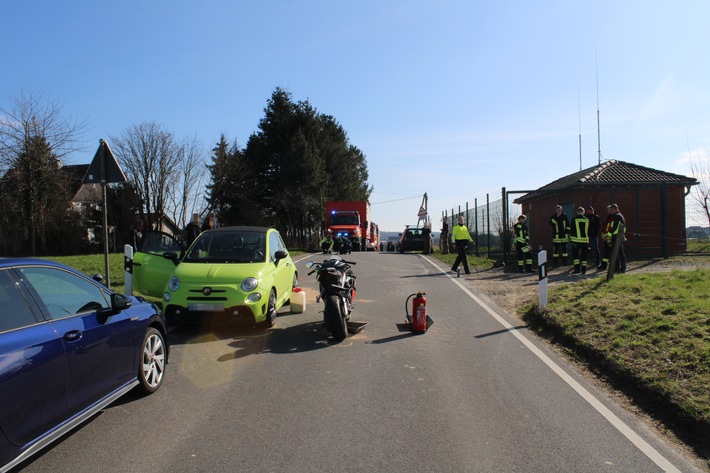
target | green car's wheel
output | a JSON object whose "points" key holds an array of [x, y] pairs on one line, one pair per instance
{"points": [[271, 310]]}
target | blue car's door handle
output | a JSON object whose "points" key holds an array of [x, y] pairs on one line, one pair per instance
{"points": [[73, 335]]}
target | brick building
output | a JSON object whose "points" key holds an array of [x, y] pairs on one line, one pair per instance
{"points": [[652, 202]]}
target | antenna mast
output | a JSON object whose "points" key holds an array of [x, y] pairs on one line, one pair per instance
{"points": [[599, 139], [579, 106]]}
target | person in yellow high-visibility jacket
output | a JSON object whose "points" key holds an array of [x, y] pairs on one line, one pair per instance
{"points": [[521, 242], [579, 236], [560, 235], [461, 240]]}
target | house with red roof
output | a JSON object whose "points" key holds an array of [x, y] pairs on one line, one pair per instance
{"points": [[652, 202]]}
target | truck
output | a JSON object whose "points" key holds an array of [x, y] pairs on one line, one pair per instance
{"points": [[351, 220]]}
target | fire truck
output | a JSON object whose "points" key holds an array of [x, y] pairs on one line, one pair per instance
{"points": [[352, 220]]}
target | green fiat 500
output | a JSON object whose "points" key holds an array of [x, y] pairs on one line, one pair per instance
{"points": [[229, 274]]}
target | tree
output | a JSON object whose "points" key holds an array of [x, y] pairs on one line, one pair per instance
{"points": [[232, 186], [188, 197], [34, 198], [150, 159], [700, 170], [302, 159]]}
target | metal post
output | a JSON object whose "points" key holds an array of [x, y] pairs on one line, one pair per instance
{"points": [[488, 223], [105, 213], [475, 217]]}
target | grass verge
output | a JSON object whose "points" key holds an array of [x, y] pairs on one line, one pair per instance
{"points": [[648, 335]]}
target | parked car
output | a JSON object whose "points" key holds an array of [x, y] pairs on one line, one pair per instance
{"points": [[69, 346], [229, 274], [412, 240]]}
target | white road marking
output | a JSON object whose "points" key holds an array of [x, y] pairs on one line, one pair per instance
{"points": [[625, 430]]}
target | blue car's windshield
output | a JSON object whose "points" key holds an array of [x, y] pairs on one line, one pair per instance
{"points": [[228, 247]]}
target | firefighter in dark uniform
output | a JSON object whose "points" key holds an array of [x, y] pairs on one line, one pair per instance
{"points": [[522, 245], [612, 231], [560, 235], [579, 236], [461, 240]]}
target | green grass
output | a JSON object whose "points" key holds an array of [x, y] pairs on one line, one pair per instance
{"points": [[651, 328], [698, 246], [93, 264]]}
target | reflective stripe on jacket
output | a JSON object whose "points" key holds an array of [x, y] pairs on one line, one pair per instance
{"points": [[579, 230], [521, 233]]}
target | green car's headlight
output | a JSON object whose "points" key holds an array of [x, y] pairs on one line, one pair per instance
{"points": [[249, 284], [174, 283]]}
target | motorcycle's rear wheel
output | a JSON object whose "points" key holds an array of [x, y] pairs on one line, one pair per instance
{"points": [[334, 318]]}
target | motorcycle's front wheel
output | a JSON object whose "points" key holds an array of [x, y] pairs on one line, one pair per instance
{"points": [[334, 318]]}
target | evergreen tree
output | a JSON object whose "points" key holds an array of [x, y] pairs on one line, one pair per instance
{"points": [[230, 193], [296, 161]]}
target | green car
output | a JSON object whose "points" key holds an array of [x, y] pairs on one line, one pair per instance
{"points": [[229, 274]]}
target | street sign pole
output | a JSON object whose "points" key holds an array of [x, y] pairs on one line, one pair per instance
{"points": [[104, 170], [105, 213]]}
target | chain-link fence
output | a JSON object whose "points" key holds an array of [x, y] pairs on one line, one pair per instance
{"points": [[485, 219], [697, 230], [490, 219]]}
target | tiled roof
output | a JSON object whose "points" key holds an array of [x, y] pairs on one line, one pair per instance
{"points": [[75, 175], [613, 173]]}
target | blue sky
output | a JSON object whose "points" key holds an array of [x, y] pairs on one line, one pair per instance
{"points": [[453, 98]]}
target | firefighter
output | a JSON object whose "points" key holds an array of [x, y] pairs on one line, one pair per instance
{"points": [[612, 228], [522, 245], [461, 240], [326, 244], [579, 235], [560, 235]]}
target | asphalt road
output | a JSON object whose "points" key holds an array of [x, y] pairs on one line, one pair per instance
{"points": [[476, 393]]}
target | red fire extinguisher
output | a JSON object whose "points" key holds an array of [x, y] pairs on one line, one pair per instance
{"points": [[418, 321]]}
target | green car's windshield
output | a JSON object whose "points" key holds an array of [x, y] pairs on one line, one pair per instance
{"points": [[228, 247]]}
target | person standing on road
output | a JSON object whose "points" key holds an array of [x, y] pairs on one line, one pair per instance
{"points": [[522, 245], [192, 230], [594, 227], [444, 238], [560, 235], [612, 231], [209, 222], [426, 239], [579, 235], [461, 240]]}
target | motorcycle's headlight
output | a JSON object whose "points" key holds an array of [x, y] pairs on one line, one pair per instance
{"points": [[249, 284], [174, 283]]}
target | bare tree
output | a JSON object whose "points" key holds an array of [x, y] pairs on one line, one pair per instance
{"points": [[700, 170], [187, 196], [150, 159], [34, 137], [33, 117]]}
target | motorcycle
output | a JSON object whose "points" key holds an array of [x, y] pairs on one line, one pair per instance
{"points": [[336, 283]]}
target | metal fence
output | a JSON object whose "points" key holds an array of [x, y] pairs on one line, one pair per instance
{"points": [[490, 218], [486, 222]]}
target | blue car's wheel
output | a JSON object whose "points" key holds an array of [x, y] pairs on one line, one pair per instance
{"points": [[152, 367]]}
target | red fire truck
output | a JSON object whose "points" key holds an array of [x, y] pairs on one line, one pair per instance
{"points": [[352, 220]]}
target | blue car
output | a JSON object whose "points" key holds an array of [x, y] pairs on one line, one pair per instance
{"points": [[68, 347]]}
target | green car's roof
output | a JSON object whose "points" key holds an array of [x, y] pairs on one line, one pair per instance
{"points": [[241, 229]]}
